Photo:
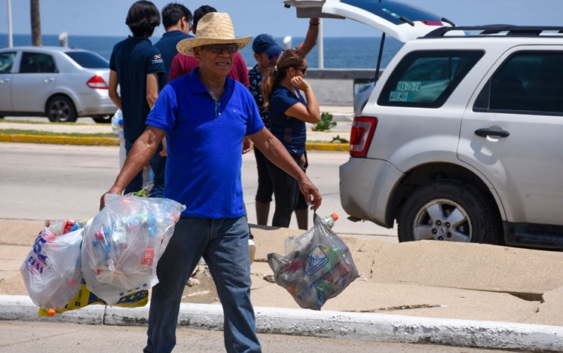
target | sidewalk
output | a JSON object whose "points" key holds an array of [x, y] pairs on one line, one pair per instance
{"points": [[411, 292], [423, 279]]}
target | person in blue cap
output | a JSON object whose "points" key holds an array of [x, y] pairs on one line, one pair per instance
{"points": [[266, 53]]}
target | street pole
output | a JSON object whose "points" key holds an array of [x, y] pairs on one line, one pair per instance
{"points": [[10, 39], [321, 45], [36, 39]]}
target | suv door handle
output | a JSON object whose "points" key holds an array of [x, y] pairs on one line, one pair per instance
{"points": [[50, 79], [4, 80], [489, 132]]}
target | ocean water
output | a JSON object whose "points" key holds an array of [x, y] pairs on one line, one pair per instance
{"points": [[339, 53]]}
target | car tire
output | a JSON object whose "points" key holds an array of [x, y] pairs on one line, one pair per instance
{"points": [[61, 109], [431, 211], [102, 119]]}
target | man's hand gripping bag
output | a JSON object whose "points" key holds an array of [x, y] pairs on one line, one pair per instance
{"points": [[317, 266]]}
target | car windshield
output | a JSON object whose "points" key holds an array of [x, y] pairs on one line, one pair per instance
{"points": [[392, 11], [88, 59]]}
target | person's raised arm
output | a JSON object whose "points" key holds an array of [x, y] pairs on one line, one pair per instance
{"points": [[141, 152], [112, 89], [277, 154], [311, 38], [309, 113], [152, 89]]}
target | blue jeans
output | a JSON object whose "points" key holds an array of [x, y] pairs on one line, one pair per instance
{"points": [[158, 165], [223, 243]]}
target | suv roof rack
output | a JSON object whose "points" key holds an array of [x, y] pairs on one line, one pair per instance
{"points": [[512, 31]]}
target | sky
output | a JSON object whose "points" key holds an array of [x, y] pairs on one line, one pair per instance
{"points": [[251, 17]]}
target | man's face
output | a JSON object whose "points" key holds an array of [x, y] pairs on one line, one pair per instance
{"points": [[218, 63], [264, 60]]}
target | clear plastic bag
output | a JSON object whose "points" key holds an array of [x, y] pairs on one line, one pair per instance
{"points": [[317, 266], [63, 226], [52, 270], [127, 238]]}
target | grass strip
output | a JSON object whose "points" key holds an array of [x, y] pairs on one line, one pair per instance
{"points": [[51, 133], [40, 122]]}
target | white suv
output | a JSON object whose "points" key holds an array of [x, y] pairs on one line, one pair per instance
{"points": [[460, 139]]}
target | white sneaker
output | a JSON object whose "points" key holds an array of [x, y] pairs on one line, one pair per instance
{"points": [[251, 250]]}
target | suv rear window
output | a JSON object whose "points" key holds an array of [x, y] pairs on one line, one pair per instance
{"points": [[88, 60], [527, 83], [426, 79]]}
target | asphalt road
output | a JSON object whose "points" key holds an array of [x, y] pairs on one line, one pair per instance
{"points": [[26, 337], [39, 182]]}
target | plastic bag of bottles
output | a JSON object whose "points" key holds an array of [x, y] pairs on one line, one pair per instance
{"points": [[317, 266], [126, 239], [52, 270], [63, 226]]}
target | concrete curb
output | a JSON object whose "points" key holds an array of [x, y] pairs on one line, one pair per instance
{"points": [[60, 140], [106, 141], [354, 326]]}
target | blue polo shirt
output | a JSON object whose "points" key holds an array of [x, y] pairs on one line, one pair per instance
{"points": [[204, 144], [133, 59], [167, 46], [290, 131]]}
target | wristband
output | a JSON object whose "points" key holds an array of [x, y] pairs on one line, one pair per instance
{"points": [[314, 24]]}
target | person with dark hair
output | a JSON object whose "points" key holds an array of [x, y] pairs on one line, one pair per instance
{"points": [[288, 112], [183, 65], [176, 19], [142, 19], [205, 116], [266, 53], [137, 67]]}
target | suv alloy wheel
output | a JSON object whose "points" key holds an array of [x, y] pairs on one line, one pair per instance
{"points": [[449, 210]]}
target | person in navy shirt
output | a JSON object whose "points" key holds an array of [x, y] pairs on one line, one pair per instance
{"points": [[137, 67], [288, 112], [205, 116], [177, 20]]}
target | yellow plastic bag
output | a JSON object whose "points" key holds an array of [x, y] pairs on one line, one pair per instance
{"points": [[84, 298]]}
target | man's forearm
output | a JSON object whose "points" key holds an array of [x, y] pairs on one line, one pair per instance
{"points": [[310, 40], [116, 99]]}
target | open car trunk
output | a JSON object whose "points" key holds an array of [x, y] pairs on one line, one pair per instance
{"points": [[402, 21]]}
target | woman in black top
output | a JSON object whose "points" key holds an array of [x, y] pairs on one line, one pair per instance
{"points": [[288, 112]]}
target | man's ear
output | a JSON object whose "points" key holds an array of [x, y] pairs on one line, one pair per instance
{"points": [[197, 53], [257, 57]]}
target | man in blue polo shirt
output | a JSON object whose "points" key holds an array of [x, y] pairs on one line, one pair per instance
{"points": [[177, 20], [137, 67], [205, 116]]}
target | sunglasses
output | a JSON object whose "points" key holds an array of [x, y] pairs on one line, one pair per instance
{"points": [[218, 48], [302, 69], [272, 57]]}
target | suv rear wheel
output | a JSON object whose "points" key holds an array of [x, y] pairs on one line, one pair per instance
{"points": [[449, 210], [61, 109]]}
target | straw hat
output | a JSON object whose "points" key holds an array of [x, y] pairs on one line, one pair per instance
{"points": [[213, 28]]}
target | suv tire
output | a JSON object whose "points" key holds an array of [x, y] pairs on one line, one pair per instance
{"points": [[429, 211], [61, 109]]}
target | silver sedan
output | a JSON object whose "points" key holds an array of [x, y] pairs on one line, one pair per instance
{"points": [[61, 84]]}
